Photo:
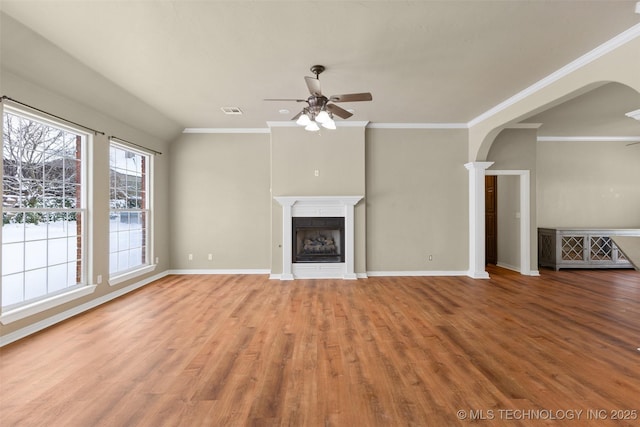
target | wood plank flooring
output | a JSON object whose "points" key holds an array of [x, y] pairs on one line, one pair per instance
{"points": [[200, 350]]}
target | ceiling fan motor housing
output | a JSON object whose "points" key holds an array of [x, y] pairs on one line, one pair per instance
{"points": [[317, 102], [317, 69]]}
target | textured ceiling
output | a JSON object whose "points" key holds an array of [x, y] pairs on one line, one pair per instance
{"points": [[423, 61]]}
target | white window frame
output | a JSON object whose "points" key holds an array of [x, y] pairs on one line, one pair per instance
{"points": [[149, 266], [28, 308]]}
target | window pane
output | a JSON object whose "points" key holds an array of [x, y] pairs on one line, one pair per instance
{"points": [[135, 256], [10, 190], [73, 273], [123, 240], [35, 254], [35, 283], [128, 204], [57, 278], [42, 170], [36, 227], [57, 226], [72, 248], [123, 260], [57, 251], [13, 227], [12, 257], [12, 289]]}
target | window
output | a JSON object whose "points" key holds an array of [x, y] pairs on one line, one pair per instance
{"points": [[43, 209], [129, 215]]}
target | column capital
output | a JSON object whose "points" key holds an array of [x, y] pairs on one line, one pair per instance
{"points": [[478, 165]]}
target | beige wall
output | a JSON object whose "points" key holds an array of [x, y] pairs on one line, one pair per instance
{"points": [[415, 184], [417, 200], [588, 184], [220, 202], [339, 158], [515, 149]]}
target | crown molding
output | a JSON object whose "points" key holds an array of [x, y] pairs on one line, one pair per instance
{"points": [[589, 139], [292, 124], [354, 124], [225, 130], [369, 125], [608, 46], [284, 124], [418, 126]]}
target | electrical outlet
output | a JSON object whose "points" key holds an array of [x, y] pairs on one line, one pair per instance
{"points": [[210, 257], [430, 257], [190, 257], [157, 260], [316, 172], [99, 279]]}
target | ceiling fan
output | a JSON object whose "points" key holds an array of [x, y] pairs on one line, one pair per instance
{"points": [[320, 109]]}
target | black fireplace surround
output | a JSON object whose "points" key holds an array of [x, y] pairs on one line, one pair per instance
{"points": [[317, 239]]}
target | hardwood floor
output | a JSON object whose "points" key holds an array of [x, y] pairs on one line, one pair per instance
{"points": [[245, 350]]}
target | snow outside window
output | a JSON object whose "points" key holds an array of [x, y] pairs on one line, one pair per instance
{"points": [[129, 216], [43, 210]]}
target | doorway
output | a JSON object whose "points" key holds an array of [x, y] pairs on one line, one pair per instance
{"points": [[491, 219], [522, 261]]}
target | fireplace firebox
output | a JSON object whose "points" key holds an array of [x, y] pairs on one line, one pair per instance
{"points": [[317, 239]]}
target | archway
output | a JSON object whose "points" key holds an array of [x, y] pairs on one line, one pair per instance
{"points": [[618, 60]]}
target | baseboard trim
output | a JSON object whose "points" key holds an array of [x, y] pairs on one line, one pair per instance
{"points": [[278, 276], [222, 271], [57, 318], [535, 273], [478, 275], [416, 273], [508, 267]]}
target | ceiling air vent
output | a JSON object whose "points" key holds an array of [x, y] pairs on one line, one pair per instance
{"points": [[231, 110]]}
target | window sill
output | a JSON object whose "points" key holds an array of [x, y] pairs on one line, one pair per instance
{"points": [[45, 304], [123, 277]]}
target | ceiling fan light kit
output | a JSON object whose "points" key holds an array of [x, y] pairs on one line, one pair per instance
{"points": [[320, 109], [312, 126]]}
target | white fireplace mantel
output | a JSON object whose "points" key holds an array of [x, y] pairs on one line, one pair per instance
{"points": [[318, 206]]}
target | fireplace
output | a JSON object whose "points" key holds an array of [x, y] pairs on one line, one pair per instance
{"points": [[305, 211], [317, 239]]}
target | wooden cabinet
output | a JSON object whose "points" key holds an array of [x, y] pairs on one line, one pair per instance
{"points": [[581, 248]]}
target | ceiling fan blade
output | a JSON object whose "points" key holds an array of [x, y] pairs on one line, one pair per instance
{"points": [[351, 97], [314, 86], [338, 111], [285, 99], [633, 143], [297, 116]]}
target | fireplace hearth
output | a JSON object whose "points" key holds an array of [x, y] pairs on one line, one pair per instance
{"points": [[317, 239]]}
